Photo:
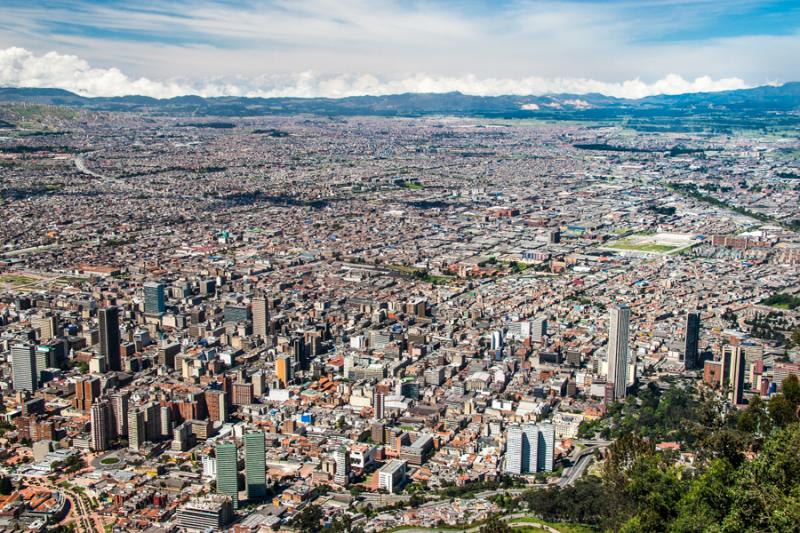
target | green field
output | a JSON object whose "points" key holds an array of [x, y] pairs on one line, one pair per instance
{"points": [[109, 461], [629, 244], [15, 279]]}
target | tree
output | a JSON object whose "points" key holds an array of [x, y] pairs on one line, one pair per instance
{"points": [[495, 525], [6, 487], [308, 520]]}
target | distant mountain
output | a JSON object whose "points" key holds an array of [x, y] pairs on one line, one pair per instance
{"points": [[747, 108]]}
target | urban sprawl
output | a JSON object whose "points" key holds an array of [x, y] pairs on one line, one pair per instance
{"points": [[229, 324]]}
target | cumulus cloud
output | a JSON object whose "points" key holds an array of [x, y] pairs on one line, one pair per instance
{"points": [[22, 68]]}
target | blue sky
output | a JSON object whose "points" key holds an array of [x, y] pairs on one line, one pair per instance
{"points": [[338, 47]]}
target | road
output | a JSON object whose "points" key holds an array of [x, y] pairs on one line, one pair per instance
{"points": [[523, 523]]}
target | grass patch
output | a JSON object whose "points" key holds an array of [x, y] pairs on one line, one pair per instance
{"points": [[16, 279], [629, 244], [109, 461]]}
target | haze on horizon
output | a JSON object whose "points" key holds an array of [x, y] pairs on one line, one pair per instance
{"points": [[341, 48]]}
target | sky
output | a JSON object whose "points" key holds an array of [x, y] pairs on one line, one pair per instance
{"points": [[335, 48]]}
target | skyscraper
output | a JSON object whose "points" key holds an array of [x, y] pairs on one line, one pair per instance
{"points": [[100, 420], [154, 298], [378, 403], [23, 367], [691, 350], [228, 471], [119, 410], [529, 448], [538, 329], [619, 323], [136, 429], [255, 465], [342, 459], [738, 365], [109, 337], [515, 443], [217, 405], [260, 316], [283, 369], [546, 447], [87, 390]]}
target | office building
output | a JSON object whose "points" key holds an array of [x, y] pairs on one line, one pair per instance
{"points": [[255, 465], [618, 331], [100, 422], [228, 471], [538, 329], [109, 338], [217, 405], [212, 512], [259, 384], [737, 369], [691, 349], [47, 325], [530, 448], [283, 369], [136, 429], [119, 410], [154, 302], [546, 447], [378, 403], [242, 393], [342, 459], [25, 375], [87, 390], [391, 475], [260, 316]]}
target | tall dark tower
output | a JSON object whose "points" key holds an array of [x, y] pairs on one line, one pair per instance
{"points": [[691, 351], [109, 337]]}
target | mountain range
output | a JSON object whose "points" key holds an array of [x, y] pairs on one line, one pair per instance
{"points": [[765, 107]]}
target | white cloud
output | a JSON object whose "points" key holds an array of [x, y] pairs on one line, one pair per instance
{"points": [[22, 68]]}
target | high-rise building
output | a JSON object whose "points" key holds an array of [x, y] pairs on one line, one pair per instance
{"points": [[618, 331], [726, 360], [283, 369], [242, 393], [378, 403], [100, 421], [546, 447], [154, 301], [119, 410], [538, 329], [228, 471], [259, 384], [515, 443], [166, 424], [260, 316], [255, 465], [217, 405], [529, 448], [738, 365], [24, 373], [47, 325], [342, 459], [87, 390], [136, 429], [691, 350], [109, 338]]}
